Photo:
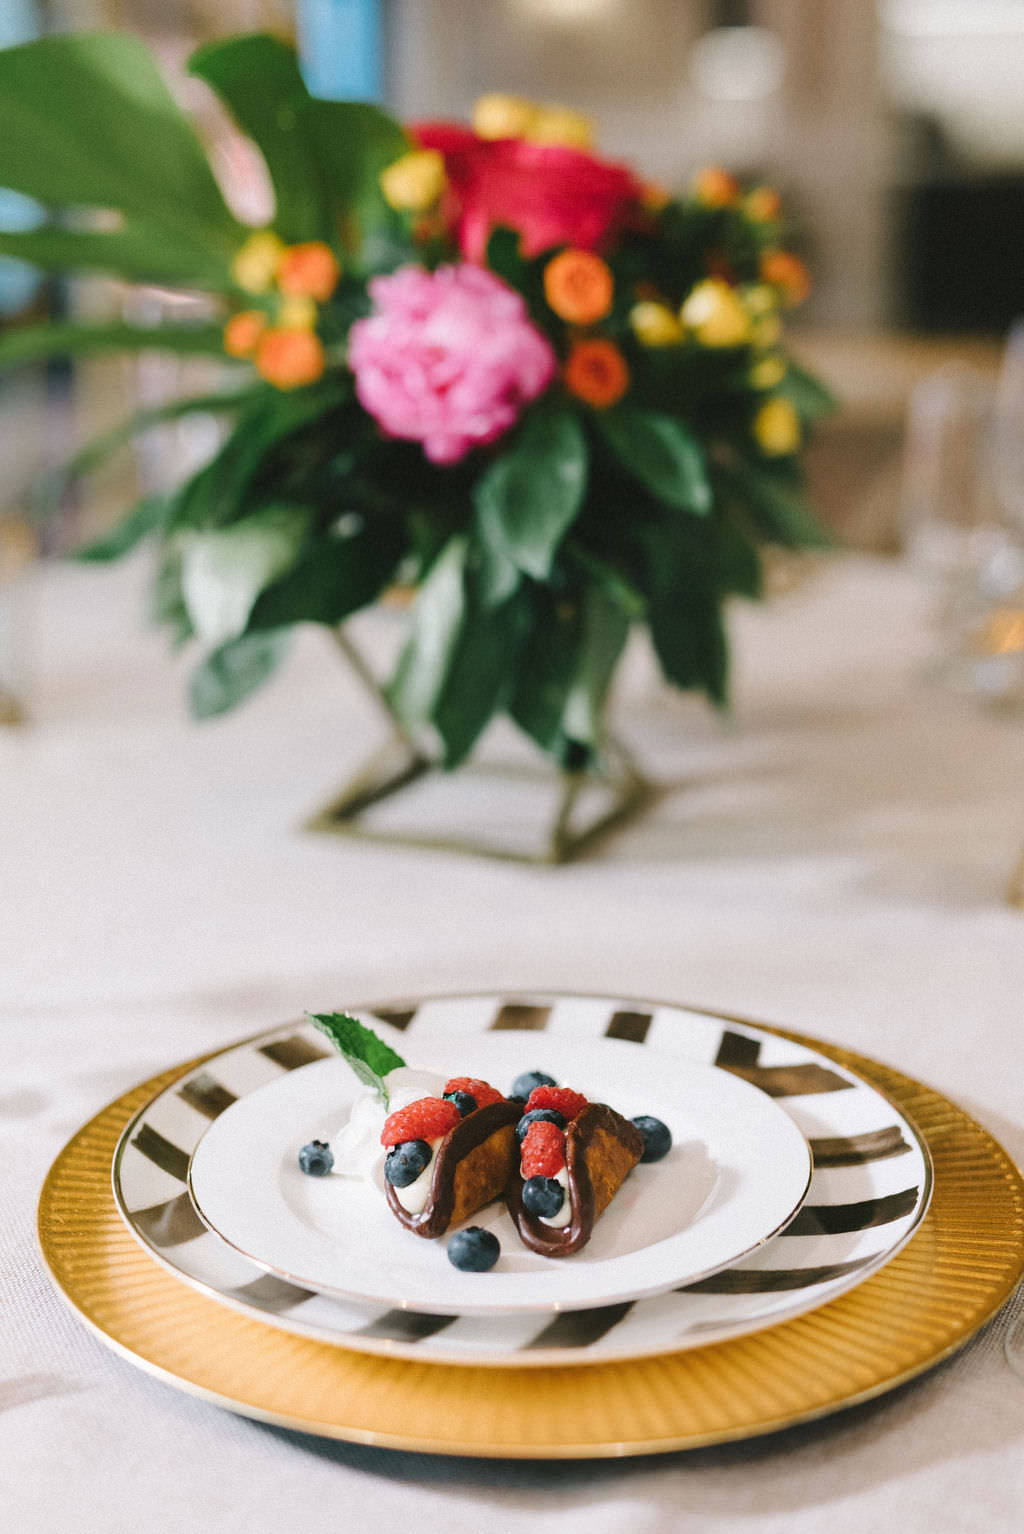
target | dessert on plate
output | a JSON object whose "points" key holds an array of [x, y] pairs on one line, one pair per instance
{"points": [[448, 1156], [574, 1157], [450, 1147]]}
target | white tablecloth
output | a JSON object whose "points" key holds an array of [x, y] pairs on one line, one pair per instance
{"points": [[833, 858]]}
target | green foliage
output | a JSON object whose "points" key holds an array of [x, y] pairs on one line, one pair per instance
{"points": [[145, 517], [662, 454], [35, 343], [87, 121], [528, 497], [367, 1054], [224, 569], [257, 77], [234, 670]]}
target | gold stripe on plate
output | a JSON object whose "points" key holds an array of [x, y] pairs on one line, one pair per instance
{"points": [[953, 1275]]}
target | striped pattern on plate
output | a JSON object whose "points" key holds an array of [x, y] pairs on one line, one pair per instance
{"points": [[870, 1190]]}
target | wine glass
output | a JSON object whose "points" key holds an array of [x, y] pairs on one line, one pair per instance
{"points": [[954, 531]]}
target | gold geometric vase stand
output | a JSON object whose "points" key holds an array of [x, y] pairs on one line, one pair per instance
{"points": [[950, 1278], [577, 807]]}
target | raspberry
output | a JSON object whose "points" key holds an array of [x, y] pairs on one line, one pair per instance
{"points": [[563, 1099], [484, 1093], [543, 1152], [426, 1119]]}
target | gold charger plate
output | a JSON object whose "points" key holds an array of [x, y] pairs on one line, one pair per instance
{"points": [[928, 1301]]}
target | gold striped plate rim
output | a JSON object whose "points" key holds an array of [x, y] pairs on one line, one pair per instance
{"points": [[950, 1279]]}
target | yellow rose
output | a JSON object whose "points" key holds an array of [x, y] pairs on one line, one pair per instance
{"points": [[767, 373], [499, 116], [655, 324], [777, 427], [415, 181], [716, 314], [561, 125], [255, 264], [297, 313]]}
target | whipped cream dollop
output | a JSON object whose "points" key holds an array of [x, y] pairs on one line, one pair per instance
{"points": [[356, 1146], [560, 1220]]}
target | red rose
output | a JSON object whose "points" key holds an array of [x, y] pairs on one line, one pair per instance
{"points": [[550, 194]]}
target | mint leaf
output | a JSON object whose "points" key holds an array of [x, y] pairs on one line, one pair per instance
{"points": [[368, 1055]]}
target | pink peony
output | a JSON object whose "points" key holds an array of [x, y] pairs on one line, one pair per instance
{"points": [[448, 358]]}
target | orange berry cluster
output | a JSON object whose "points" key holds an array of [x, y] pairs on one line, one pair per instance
{"points": [[284, 347]]}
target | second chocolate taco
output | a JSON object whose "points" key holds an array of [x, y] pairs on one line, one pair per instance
{"points": [[574, 1156], [449, 1156]]}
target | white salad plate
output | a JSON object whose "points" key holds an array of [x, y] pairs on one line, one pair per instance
{"points": [[738, 1171], [868, 1195]]}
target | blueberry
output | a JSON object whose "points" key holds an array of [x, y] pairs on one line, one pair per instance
{"points": [[316, 1159], [542, 1115], [464, 1101], [543, 1196], [404, 1162], [524, 1084], [474, 1249], [657, 1137]]}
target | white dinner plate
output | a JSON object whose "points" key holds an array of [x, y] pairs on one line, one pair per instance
{"points": [[738, 1170], [869, 1193]]}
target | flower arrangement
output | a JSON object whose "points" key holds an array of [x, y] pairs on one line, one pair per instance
{"points": [[479, 362]]}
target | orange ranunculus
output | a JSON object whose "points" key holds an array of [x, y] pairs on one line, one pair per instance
{"points": [[310, 270], [242, 332], [290, 358], [763, 204], [788, 273], [579, 286], [714, 187], [596, 372]]}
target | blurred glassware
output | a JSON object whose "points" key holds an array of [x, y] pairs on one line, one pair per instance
{"points": [[959, 530], [17, 549]]}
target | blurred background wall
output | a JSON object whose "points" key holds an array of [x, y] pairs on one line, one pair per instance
{"points": [[895, 131]]}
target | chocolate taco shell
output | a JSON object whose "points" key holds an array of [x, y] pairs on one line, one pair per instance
{"points": [[601, 1149], [471, 1168]]}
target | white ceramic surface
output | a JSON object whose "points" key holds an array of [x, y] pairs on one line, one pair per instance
{"points": [[738, 1171]]}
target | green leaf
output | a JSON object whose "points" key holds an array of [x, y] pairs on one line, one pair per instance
{"points": [[257, 77], [144, 518], [223, 570], [481, 670], [532, 492], [223, 489], [436, 620], [658, 451], [333, 579], [353, 142], [138, 252], [775, 506], [605, 630], [809, 397], [368, 1055], [235, 670], [51, 487], [547, 667], [36, 342], [86, 120], [689, 637]]}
